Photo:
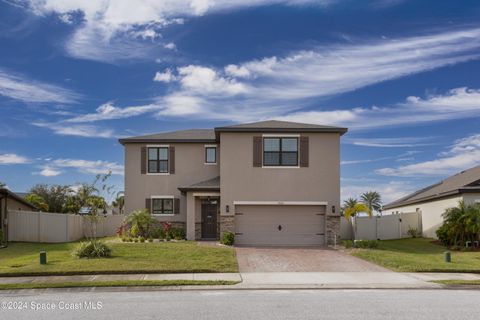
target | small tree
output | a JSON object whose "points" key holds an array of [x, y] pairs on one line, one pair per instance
{"points": [[141, 221], [37, 201], [372, 200], [119, 202], [351, 208]]}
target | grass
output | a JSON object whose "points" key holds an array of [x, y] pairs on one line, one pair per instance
{"points": [[418, 255], [459, 282], [158, 257], [123, 283]]}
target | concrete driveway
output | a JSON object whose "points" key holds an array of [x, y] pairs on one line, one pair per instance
{"points": [[318, 259]]}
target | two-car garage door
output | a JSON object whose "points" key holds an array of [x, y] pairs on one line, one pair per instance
{"points": [[280, 225]]}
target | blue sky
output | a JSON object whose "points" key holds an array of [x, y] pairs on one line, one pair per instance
{"points": [[402, 75]]}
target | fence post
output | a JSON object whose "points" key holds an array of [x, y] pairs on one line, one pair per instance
{"points": [[38, 226], [66, 226]]}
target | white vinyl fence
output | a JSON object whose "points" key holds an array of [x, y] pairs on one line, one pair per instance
{"points": [[387, 227], [29, 226]]}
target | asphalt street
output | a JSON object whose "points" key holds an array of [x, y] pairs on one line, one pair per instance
{"points": [[243, 304]]}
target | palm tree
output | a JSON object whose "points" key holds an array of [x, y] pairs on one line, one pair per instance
{"points": [[119, 202], [351, 208], [372, 200]]}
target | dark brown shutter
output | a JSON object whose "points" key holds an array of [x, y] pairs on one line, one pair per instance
{"points": [[172, 160], [257, 151], [303, 151], [148, 204], [143, 160], [176, 206]]}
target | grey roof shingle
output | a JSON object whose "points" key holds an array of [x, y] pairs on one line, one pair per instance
{"points": [[211, 135], [275, 125], [192, 135], [211, 184], [465, 181]]}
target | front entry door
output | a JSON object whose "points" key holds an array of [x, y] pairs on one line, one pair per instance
{"points": [[209, 221]]}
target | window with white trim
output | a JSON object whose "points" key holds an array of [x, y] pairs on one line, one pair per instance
{"points": [[210, 154], [280, 152], [158, 160], [162, 206]]}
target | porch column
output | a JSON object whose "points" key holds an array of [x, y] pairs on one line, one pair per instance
{"points": [[190, 216]]}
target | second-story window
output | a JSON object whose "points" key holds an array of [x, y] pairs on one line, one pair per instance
{"points": [[158, 160], [210, 154], [281, 152]]}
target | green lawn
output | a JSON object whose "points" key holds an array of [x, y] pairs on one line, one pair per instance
{"points": [[124, 283], [418, 255], [459, 282], [173, 257]]}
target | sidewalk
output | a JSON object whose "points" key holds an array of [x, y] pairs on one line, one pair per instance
{"points": [[277, 280]]}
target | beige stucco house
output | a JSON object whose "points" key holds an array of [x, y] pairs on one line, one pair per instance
{"points": [[270, 182], [433, 200]]}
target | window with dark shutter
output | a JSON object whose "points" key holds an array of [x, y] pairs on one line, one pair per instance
{"points": [[162, 206]]}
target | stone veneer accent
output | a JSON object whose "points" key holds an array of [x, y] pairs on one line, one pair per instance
{"points": [[333, 229], [227, 223], [198, 230]]}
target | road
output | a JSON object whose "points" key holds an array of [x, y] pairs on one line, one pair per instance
{"points": [[238, 304]]}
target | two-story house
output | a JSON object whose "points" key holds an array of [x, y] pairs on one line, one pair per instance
{"points": [[269, 182]]}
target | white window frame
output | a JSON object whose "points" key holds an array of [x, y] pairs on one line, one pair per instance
{"points": [[205, 153], [163, 214], [159, 173], [280, 135]]}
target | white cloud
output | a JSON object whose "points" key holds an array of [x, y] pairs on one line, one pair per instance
{"points": [[90, 166], [463, 154], [389, 191], [11, 158], [48, 171], [165, 76], [457, 103], [108, 111], [398, 142], [111, 27], [87, 131], [170, 46], [21, 88], [277, 87], [206, 81]]}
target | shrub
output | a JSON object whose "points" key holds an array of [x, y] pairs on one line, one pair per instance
{"points": [[177, 233], [92, 249], [228, 238], [141, 221], [124, 239], [129, 239], [365, 244], [460, 224], [348, 244], [142, 239], [135, 239], [150, 239], [412, 232]]}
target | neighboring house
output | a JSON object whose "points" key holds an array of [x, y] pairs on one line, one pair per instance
{"points": [[270, 182], [432, 201], [11, 201]]}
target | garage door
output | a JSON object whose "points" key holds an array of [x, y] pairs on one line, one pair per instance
{"points": [[279, 225]]}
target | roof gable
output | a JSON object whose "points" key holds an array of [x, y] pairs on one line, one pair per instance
{"points": [[451, 185]]}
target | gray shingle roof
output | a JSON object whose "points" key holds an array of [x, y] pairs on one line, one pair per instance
{"points": [[211, 135], [211, 184], [192, 135], [275, 125], [465, 181]]}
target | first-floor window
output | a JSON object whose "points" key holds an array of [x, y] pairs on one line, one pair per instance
{"points": [[162, 206]]}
